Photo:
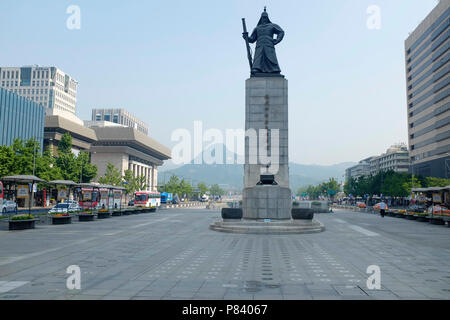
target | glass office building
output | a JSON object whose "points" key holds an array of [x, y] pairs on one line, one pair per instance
{"points": [[427, 80], [20, 118]]}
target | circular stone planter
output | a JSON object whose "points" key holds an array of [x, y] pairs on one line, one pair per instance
{"points": [[399, 215], [423, 219], [232, 213], [102, 215], [62, 220], [22, 224], [116, 213], [85, 217], [126, 212], [410, 217], [152, 210], [302, 213]]}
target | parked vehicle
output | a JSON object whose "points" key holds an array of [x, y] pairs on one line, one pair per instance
{"points": [[7, 206], [361, 205], [64, 208], [439, 210], [131, 203], [166, 197], [204, 198], [99, 198], [147, 199]]}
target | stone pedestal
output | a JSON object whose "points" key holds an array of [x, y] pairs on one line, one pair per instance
{"points": [[266, 202], [266, 112], [266, 108]]}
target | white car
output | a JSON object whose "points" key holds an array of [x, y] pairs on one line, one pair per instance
{"points": [[8, 206], [64, 208]]}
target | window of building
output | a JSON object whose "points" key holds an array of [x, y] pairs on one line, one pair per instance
{"points": [[116, 118], [107, 117]]}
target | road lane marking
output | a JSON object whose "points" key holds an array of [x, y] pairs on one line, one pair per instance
{"points": [[363, 231], [6, 286]]}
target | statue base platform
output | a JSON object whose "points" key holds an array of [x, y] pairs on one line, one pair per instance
{"points": [[266, 75], [264, 227]]}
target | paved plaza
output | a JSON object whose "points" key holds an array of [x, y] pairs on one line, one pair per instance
{"points": [[171, 254]]}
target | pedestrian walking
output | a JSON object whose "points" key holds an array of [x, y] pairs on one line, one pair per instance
{"points": [[382, 208]]}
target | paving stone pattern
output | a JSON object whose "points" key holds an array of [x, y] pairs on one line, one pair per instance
{"points": [[171, 254]]}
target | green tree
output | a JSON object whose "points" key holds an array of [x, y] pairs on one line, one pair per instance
{"points": [[140, 183], [186, 188], [7, 158], [173, 185], [202, 188], [72, 167], [130, 185], [85, 169], [436, 182], [215, 190], [112, 176]]}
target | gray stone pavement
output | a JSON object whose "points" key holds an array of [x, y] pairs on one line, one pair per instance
{"points": [[172, 254]]}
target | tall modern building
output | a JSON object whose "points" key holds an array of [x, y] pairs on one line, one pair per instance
{"points": [[20, 118], [120, 116], [427, 73], [48, 86]]}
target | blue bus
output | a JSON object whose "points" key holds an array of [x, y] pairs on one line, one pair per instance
{"points": [[166, 197]]}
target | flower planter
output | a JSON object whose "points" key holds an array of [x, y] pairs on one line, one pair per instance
{"points": [[22, 224], [116, 213], [410, 217], [61, 220], [152, 210], [85, 217], [126, 212], [102, 215]]}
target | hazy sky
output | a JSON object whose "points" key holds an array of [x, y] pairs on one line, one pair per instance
{"points": [[173, 62]]}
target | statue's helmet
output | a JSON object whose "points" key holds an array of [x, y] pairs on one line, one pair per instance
{"points": [[264, 18]]}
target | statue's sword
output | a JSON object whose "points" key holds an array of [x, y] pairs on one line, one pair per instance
{"points": [[249, 55]]}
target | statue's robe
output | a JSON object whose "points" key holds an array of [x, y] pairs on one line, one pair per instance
{"points": [[265, 60]]}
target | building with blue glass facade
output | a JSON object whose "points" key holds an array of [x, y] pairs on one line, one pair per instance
{"points": [[20, 118], [428, 92]]}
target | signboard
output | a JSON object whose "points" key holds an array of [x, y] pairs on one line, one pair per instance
{"points": [[437, 197], [62, 193], [87, 195], [117, 194], [22, 191]]}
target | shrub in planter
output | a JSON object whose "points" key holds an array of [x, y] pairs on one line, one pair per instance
{"points": [[22, 222], [86, 215], [302, 213], [103, 213], [295, 204], [19, 217], [232, 213]]}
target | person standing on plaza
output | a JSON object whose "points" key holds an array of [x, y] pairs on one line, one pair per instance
{"points": [[382, 208]]}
